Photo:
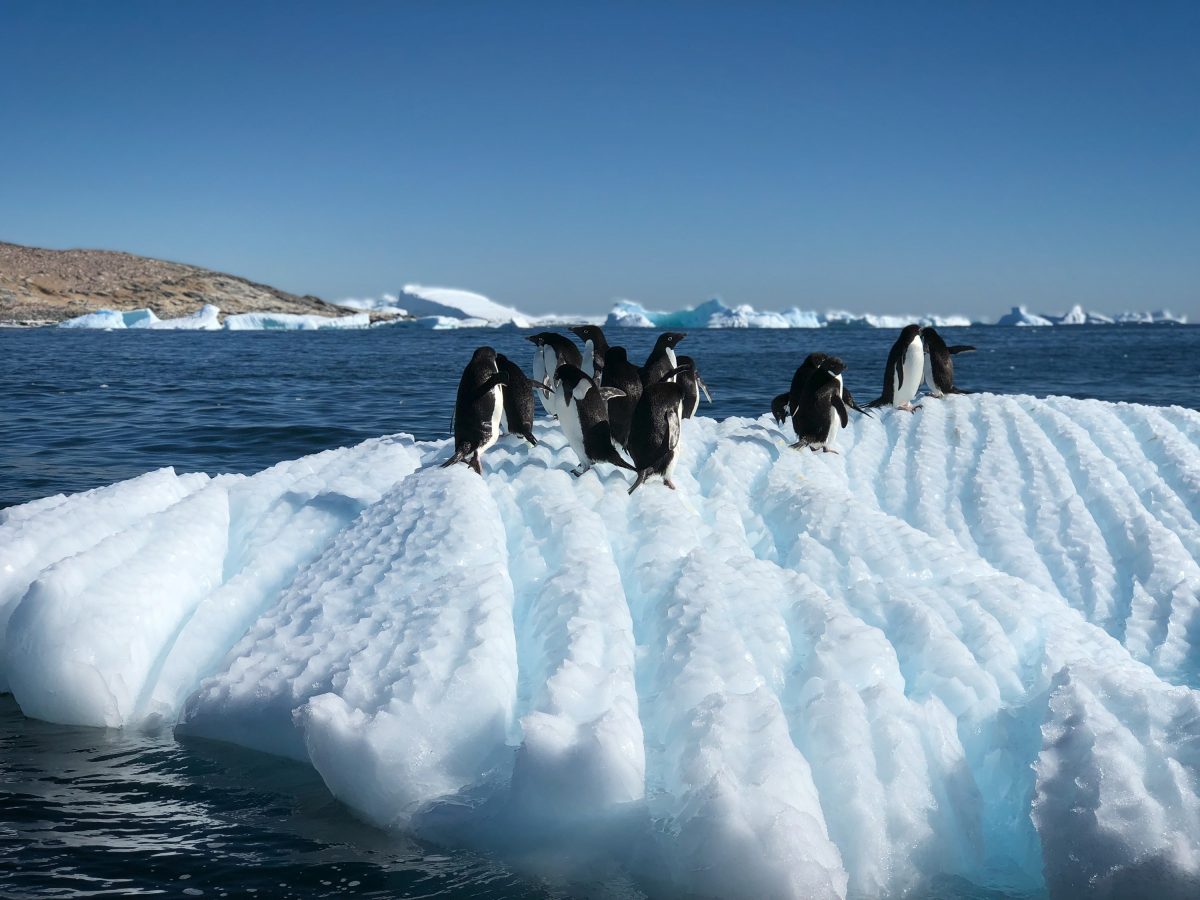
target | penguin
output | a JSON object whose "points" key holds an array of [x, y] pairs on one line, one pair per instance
{"points": [[691, 382], [595, 346], [902, 374], [662, 358], [518, 399], [939, 368], [583, 414], [623, 375], [477, 409], [785, 405], [821, 412], [654, 434]]}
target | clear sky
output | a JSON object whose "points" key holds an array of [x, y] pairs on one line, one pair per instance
{"points": [[885, 157]]}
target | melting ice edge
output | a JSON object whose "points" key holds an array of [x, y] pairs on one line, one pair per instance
{"points": [[966, 646]]}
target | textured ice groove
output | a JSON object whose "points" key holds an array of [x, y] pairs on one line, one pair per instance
{"points": [[966, 646]]}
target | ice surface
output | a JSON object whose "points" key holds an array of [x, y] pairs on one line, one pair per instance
{"points": [[968, 646]]}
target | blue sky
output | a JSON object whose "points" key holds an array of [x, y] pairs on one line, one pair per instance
{"points": [[888, 157]]}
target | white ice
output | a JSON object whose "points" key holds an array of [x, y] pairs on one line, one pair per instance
{"points": [[207, 319], [716, 314], [290, 322], [967, 646]]}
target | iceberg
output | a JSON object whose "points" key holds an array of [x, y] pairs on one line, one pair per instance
{"points": [[1156, 317], [716, 314], [111, 318], [292, 322], [207, 319], [1019, 315], [963, 648], [451, 303]]}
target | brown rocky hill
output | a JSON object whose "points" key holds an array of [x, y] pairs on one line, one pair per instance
{"points": [[40, 287]]}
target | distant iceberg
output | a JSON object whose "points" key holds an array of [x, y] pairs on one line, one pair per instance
{"points": [[1019, 315], [207, 319], [1156, 317], [965, 648], [451, 303], [716, 314], [111, 318], [290, 322]]}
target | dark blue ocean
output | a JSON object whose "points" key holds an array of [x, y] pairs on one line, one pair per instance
{"points": [[86, 812]]}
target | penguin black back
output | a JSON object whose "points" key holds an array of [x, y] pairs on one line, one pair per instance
{"points": [[518, 399], [655, 431], [477, 409], [623, 375], [941, 366]]}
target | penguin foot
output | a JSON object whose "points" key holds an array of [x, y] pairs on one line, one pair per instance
{"points": [[476, 464], [580, 470], [799, 445], [669, 483], [908, 407]]}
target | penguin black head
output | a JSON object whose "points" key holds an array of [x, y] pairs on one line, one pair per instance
{"points": [[616, 355], [484, 354], [910, 332], [538, 339], [591, 333], [833, 365], [814, 359], [669, 339]]}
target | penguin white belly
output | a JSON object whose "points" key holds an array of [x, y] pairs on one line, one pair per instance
{"points": [[914, 368], [929, 385], [672, 361], [589, 358], [669, 470], [835, 424], [497, 414], [544, 366], [573, 429]]}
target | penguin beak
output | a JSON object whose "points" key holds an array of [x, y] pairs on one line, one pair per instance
{"points": [[532, 338], [577, 330]]}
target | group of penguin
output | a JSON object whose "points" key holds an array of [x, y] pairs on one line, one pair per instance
{"points": [[817, 401], [603, 402], [606, 404]]}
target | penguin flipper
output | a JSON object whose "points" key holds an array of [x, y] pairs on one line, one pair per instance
{"points": [[497, 378], [704, 387], [610, 393], [960, 348], [841, 410]]}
